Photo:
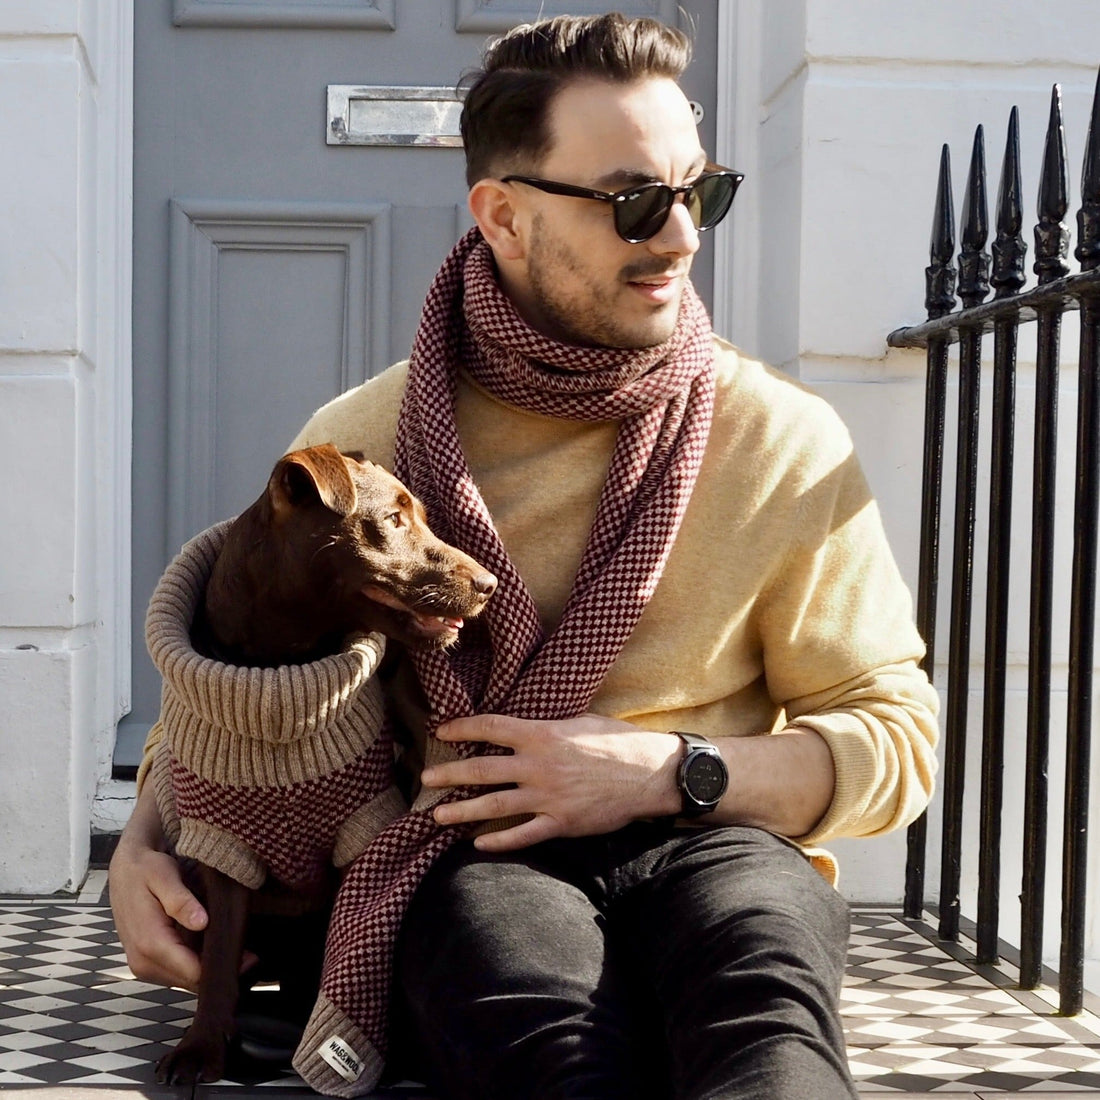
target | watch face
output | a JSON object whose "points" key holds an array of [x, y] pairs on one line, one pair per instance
{"points": [[706, 777]]}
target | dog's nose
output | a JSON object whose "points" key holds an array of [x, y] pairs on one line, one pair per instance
{"points": [[485, 584]]}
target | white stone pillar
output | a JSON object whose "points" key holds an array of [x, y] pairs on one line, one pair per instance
{"points": [[65, 218]]}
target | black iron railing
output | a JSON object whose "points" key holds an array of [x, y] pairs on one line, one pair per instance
{"points": [[1057, 291]]}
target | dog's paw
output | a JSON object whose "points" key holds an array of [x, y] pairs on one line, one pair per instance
{"points": [[195, 1059]]}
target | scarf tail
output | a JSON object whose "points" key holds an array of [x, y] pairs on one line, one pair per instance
{"points": [[343, 1049]]}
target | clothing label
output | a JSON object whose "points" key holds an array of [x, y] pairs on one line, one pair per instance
{"points": [[341, 1057]]}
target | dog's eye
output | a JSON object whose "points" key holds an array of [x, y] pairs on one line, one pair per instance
{"points": [[396, 519]]}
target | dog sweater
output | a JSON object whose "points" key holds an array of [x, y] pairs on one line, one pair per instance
{"points": [[265, 771]]}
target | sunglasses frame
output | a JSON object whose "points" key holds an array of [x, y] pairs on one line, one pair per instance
{"points": [[618, 198]]}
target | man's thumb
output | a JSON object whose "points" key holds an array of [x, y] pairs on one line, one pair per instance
{"points": [[184, 908]]}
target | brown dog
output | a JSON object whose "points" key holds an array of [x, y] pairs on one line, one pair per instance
{"points": [[334, 548]]}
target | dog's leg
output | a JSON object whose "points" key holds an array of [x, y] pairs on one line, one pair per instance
{"points": [[200, 1054]]}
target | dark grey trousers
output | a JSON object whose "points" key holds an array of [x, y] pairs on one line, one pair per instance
{"points": [[654, 962]]}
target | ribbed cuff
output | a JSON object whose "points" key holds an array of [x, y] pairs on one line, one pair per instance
{"points": [[223, 851], [330, 1030], [365, 824]]}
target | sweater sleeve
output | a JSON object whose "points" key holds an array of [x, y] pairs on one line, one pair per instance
{"points": [[842, 656]]}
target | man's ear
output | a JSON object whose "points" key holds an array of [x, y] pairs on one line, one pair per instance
{"points": [[493, 205]]}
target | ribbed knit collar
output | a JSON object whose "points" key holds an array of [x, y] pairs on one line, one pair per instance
{"points": [[279, 705]]}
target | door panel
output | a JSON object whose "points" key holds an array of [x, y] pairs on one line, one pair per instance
{"points": [[373, 14], [273, 310], [271, 269]]}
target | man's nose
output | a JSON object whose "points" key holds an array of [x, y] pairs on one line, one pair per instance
{"points": [[678, 235]]}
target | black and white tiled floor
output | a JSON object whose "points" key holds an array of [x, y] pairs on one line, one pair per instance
{"points": [[918, 1017]]}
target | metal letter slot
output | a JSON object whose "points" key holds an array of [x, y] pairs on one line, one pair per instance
{"points": [[360, 115]]}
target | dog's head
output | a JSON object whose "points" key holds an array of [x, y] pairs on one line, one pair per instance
{"points": [[358, 541]]}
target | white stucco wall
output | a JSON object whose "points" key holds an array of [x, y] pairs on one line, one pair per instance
{"points": [[836, 110], [64, 449], [840, 110]]}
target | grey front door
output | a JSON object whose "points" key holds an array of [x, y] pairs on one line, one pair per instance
{"points": [[271, 269]]}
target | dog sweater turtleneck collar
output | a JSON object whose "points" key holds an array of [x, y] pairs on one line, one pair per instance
{"points": [[663, 398], [262, 770]]}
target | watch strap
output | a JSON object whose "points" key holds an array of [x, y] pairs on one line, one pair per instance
{"points": [[694, 740]]}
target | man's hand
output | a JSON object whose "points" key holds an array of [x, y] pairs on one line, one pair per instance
{"points": [[577, 777], [155, 914]]}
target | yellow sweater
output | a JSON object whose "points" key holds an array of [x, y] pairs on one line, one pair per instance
{"points": [[780, 603]]}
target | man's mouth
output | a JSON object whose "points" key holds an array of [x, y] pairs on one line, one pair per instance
{"points": [[656, 288]]}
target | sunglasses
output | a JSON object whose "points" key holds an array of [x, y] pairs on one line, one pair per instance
{"points": [[641, 212]]}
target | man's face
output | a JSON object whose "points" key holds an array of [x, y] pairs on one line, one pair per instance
{"points": [[578, 280]]}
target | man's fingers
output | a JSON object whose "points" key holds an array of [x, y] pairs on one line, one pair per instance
{"points": [[477, 771], [539, 828], [481, 808], [160, 955], [156, 915], [499, 729], [177, 966]]}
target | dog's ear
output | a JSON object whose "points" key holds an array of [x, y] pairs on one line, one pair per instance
{"points": [[317, 473]]}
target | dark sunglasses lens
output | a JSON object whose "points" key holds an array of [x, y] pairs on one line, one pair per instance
{"points": [[711, 199], [641, 214]]}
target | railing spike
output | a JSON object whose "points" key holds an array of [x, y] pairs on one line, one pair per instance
{"points": [[1088, 217], [973, 259], [1010, 249], [1052, 233], [939, 276]]}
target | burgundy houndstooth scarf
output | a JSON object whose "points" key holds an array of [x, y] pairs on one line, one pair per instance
{"points": [[664, 398]]}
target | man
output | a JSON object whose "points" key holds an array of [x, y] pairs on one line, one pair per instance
{"points": [[700, 661]]}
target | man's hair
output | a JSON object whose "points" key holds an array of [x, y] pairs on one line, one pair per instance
{"points": [[505, 114]]}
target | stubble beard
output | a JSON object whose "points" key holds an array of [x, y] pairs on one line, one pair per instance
{"points": [[590, 321]]}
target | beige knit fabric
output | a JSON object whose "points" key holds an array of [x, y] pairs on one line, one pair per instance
{"points": [[259, 730]]}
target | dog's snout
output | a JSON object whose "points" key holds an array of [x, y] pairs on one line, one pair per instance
{"points": [[484, 584]]}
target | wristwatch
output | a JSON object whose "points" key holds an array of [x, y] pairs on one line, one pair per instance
{"points": [[703, 776]]}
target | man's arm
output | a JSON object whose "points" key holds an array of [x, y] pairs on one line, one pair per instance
{"points": [[840, 658], [594, 775]]}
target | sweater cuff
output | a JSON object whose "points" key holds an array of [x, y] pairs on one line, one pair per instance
{"points": [[859, 774]]}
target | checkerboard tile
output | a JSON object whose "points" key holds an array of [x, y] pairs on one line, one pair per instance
{"points": [[918, 1018], [70, 1011]]}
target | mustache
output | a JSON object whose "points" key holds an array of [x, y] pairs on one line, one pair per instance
{"points": [[647, 268]]}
